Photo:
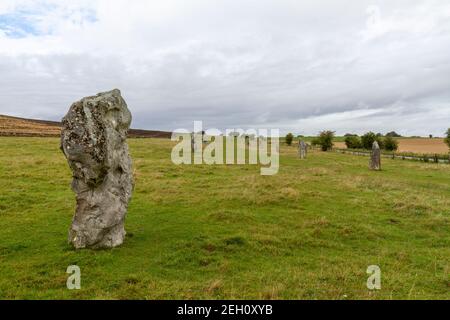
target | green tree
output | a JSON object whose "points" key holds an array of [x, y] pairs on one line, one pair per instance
{"points": [[368, 139], [325, 140], [353, 142], [380, 141], [390, 144], [393, 134], [447, 139], [289, 138]]}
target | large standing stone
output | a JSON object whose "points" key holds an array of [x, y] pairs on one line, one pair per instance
{"points": [[93, 140], [375, 158], [302, 149]]}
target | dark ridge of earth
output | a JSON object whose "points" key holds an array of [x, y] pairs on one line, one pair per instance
{"points": [[22, 127]]}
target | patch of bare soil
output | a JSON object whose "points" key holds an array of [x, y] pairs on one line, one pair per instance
{"points": [[13, 126], [416, 145]]}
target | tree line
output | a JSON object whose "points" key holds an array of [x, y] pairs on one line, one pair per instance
{"points": [[353, 141], [366, 141]]}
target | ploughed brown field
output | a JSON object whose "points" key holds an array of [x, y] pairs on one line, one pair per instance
{"points": [[416, 145], [13, 126]]}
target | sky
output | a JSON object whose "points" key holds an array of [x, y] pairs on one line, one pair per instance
{"points": [[299, 66]]}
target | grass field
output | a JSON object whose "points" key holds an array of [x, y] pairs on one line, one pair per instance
{"points": [[309, 232]]}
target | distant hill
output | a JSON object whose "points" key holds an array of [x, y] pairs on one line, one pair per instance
{"points": [[21, 127]]}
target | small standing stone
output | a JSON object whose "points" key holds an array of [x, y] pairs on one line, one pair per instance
{"points": [[302, 149], [196, 145], [93, 139], [375, 158]]}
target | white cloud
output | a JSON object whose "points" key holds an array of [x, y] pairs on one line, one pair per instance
{"points": [[347, 65]]}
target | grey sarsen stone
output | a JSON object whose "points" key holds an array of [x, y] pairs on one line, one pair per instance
{"points": [[302, 149], [375, 157], [93, 139]]}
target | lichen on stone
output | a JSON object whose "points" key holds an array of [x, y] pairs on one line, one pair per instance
{"points": [[93, 139]]}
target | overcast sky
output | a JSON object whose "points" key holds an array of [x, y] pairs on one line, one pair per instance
{"points": [[300, 66]]}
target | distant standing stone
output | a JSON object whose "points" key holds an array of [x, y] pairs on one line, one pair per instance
{"points": [[196, 142], [93, 139], [302, 149], [375, 158]]}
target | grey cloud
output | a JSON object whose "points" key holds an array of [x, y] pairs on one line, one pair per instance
{"points": [[299, 67]]}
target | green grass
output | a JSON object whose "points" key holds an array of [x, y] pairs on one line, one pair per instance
{"points": [[207, 232]]}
